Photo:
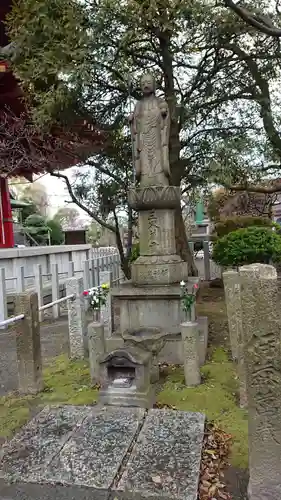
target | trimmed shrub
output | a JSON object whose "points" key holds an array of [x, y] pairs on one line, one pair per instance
{"points": [[247, 246], [229, 224]]}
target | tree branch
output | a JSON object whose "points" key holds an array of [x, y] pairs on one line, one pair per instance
{"points": [[75, 200], [260, 22], [254, 189]]}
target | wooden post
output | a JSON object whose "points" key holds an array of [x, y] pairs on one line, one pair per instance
{"points": [[28, 344]]}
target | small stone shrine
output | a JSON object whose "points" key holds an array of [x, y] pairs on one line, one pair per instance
{"points": [[125, 378], [151, 300]]}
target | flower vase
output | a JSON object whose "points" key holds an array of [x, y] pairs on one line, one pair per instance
{"points": [[96, 315], [188, 315]]}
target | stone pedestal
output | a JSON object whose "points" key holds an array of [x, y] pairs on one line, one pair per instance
{"points": [[261, 319], [158, 263], [190, 347], [97, 348]]}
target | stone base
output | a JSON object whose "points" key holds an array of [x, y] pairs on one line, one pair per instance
{"points": [[155, 307], [148, 306], [159, 270], [103, 453], [114, 396]]}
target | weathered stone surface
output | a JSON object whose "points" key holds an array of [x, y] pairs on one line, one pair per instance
{"points": [[150, 129], [233, 308], [105, 278], [154, 197], [125, 378], [261, 321], [153, 306], [28, 344], [94, 452], [97, 348], [203, 337], [165, 461], [157, 228], [159, 270], [27, 456], [101, 453], [76, 318], [75, 447], [190, 346], [232, 290]]}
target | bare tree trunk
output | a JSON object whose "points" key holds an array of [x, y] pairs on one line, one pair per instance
{"points": [[182, 247], [124, 260]]}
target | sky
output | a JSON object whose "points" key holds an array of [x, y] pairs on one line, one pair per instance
{"points": [[58, 194]]}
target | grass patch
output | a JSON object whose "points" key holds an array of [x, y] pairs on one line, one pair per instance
{"points": [[216, 397], [65, 381]]}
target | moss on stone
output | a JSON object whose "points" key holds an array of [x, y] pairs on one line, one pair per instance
{"points": [[216, 397]]}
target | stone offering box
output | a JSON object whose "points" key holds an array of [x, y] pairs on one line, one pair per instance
{"points": [[125, 378], [103, 453]]}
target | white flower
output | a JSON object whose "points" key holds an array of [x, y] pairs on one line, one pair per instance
{"points": [[182, 283]]}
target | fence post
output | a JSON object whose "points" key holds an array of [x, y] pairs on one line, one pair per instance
{"points": [[71, 269], [28, 344], [19, 279], [3, 297], [39, 288], [207, 269], [55, 289], [106, 310], [86, 275], [95, 273], [76, 319]]}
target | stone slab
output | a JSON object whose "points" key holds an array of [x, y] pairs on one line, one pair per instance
{"points": [[165, 461], [74, 447], [100, 453]]}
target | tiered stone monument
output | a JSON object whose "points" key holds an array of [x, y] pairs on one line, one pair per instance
{"points": [[151, 301]]}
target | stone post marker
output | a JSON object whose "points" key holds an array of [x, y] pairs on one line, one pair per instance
{"points": [[96, 342], [261, 320], [107, 310], [76, 318], [190, 340], [232, 292], [233, 308], [28, 344]]}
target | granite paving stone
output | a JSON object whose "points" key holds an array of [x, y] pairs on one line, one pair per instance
{"points": [[165, 461], [104, 453], [93, 455], [30, 452]]}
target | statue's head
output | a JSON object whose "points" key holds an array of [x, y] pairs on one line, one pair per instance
{"points": [[147, 84]]}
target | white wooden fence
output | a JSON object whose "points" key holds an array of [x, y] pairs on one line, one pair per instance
{"points": [[53, 284]]}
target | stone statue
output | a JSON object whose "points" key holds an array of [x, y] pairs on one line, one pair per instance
{"points": [[150, 128]]}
